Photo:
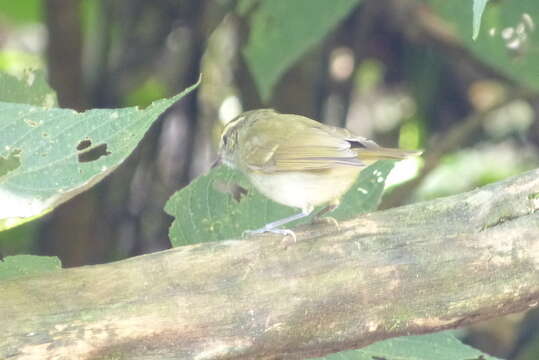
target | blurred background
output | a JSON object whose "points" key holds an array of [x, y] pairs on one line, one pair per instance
{"points": [[400, 72]]}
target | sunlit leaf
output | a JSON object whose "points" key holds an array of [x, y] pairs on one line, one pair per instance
{"points": [[48, 155]]}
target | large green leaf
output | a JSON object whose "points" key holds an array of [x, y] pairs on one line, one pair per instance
{"points": [[213, 207], [24, 265], [49, 155], [508, 39], [282, 30], [437, 346]]}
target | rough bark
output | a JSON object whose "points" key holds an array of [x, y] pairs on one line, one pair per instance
{"points": [[409, 270]]}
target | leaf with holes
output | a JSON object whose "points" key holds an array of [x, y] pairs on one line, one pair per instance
{"points": [[439, 346], [49, 155], [222, 205]]}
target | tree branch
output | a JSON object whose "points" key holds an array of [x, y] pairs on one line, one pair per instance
{"points": [[409, 270]]}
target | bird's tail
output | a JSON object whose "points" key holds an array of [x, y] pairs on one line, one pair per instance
{"points": [[374, 154]]}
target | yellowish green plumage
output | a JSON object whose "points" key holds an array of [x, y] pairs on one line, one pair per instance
{"points": [[296, 161]]}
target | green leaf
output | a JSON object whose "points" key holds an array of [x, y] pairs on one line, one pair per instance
{"points": [[49, 155], [478, 8], [282, 30], [510, 44], [214, 207], [24, 265], [437, 346], [31, 88]]}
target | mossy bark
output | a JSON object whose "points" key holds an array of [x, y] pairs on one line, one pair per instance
{"points": [[410, 270]]}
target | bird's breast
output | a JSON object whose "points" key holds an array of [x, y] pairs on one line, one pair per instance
{"points": [[303, 189]]}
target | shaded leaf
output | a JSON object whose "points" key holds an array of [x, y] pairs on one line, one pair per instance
{"points": [[438, 346], [24, 265], [281, 31], [222, 205], [511, 36]]}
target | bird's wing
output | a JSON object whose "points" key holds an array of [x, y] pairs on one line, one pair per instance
{"points": [[304, 145]]}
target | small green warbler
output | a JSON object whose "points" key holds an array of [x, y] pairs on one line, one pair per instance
{"points": [[296, 161]]}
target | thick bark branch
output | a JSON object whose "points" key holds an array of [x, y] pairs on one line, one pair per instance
{"points": [[409, 270]]}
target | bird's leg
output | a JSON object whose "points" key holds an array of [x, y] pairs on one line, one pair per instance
{"points": [[286, 220], [317, 218], [274, 226]]}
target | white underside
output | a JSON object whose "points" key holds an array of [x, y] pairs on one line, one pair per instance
{"points": [[305, 190]]}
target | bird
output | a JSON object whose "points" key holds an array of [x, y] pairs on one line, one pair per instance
{"points": [[298, 162]]}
